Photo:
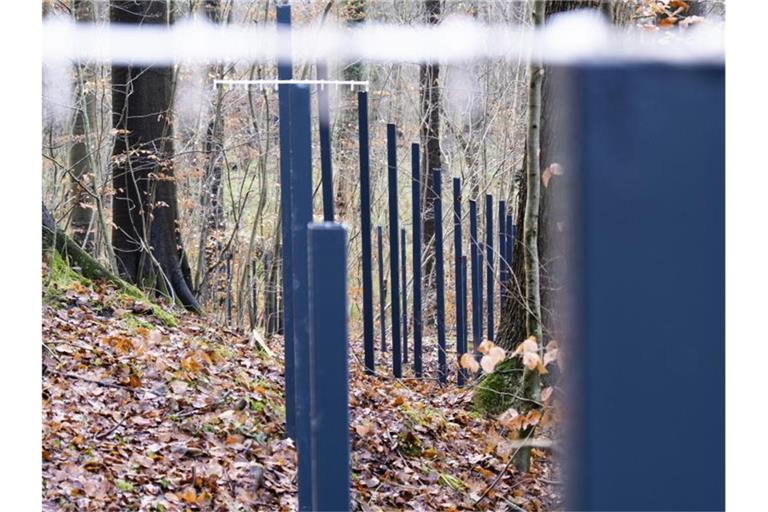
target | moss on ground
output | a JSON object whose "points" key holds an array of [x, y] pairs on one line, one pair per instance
{"points": [[498, 391], [62, 277]]}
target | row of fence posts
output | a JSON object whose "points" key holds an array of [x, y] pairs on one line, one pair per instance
{"points": [[641, 217], [482, 310], [315, 284], [314, 300]]}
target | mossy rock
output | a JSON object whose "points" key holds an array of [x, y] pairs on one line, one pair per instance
{"points": [[498, 391]]}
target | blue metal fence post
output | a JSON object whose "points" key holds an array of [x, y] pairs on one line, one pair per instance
{"points": [[394, 256], [648, 269], [301, 216], [439, 274], [474, 276], [330, 375], [416, 234], [326, 166], [461, 347], [480, 278], [404, 286], [464, 304], [503, 258], [284, 72], [365, 232], [489, 268], [511, 229], [382, 291]]}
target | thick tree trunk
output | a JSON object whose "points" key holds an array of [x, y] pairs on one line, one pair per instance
{"points": [[80, 158], [145, 236], [512, 327], [531, 378], [429, 92]]}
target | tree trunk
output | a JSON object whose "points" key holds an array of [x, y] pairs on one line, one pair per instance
{"points": [[531, 378], [512, 326], [211, 197], [80, 158], [145, 236], [353, 12], [429, 92]]}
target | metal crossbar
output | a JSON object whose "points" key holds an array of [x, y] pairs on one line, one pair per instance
{"points": [[276, 82]]}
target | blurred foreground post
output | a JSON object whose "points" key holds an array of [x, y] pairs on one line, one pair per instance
{"points": [[648, 276], [285, 72], [328, 345], [301, 216]]}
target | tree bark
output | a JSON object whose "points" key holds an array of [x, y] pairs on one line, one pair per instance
{"points": [[429, 93], [531, 378], [80, 158], [211, 197], [514, 318], [146, 237]]}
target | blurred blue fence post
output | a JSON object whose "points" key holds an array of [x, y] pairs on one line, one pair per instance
{"points": [[285, 72], [648, 278], [301, 216], [330, 375]]}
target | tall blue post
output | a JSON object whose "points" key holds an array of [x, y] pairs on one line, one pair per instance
{"points": [[461, 347], [475, 275], [503, 258], [330, 375], [464, 304], [416, 228], [284, 72], [326, 167], [301, 216], [648, 269], [404, 286], [365, 232], [480, 278], [382, 291], [489, 268], [439, 274], [394, 256], [511, 230]]}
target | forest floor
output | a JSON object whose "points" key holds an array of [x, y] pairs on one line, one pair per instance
{"points": [[160, 412]]}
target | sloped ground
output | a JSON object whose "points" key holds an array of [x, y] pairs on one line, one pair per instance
{"points": [[140, 414]]}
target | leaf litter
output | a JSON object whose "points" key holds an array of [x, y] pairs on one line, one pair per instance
{"points": [[139, 415]]}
